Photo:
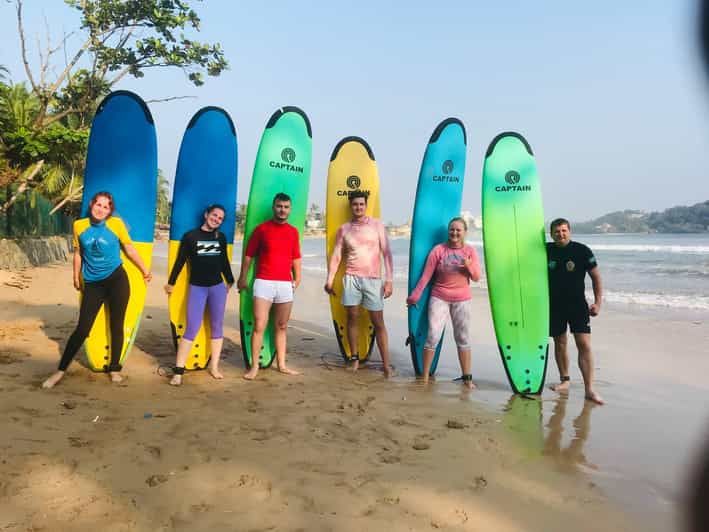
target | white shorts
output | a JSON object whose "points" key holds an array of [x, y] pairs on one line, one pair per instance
{"points": [[273, 291]]}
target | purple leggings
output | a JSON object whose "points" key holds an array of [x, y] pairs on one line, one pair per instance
{"points": [[214, 297]]}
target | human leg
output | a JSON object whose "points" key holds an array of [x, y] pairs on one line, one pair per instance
{"points": [[583, 344], [353, 334], [216, 302], [91, 301], [461, 318], [382, 338], [261, 309], [437, 316], [196, 301], [281, 315], [118, 289]]}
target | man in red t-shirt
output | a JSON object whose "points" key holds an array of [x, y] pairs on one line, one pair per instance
{"points": [[277, 246]]}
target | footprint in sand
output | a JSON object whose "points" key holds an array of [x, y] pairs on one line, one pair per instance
{"points": [[154, 451], [76, 441], [200, 508]]}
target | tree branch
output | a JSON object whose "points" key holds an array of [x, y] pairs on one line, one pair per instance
{"points": [[70, 197], [22, 187], [171, 98], [21, 30]]}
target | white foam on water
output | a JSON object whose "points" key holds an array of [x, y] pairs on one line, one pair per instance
{"points": [[651, 248], [649, 299]]}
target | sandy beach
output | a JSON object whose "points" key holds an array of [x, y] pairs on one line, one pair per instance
{"points": [[334, 451]]}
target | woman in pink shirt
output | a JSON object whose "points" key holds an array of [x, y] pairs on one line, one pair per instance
{"points": [[451, 265]]}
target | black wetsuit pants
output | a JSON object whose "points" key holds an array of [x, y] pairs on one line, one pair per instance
{"points": [[114, 290]]}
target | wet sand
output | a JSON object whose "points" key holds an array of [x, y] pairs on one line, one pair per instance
{"points": [[330, 450]]}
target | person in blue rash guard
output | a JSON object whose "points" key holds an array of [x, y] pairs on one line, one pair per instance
{"points": [[98, 239]]}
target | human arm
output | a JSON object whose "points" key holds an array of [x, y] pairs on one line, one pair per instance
{"points": [[251, 251], [77, 268], [472, 264], [335, 260], [296, 272], [178, 265], [242, 284], [226, 265], [296, 259], [136, 259], [597, 284], [388, 261], [428, 270]]}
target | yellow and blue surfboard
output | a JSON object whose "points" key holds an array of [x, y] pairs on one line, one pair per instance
{"points": [[122, 159], [206, 174]]}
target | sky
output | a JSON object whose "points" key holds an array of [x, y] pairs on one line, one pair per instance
{"points": [[610, 95]]}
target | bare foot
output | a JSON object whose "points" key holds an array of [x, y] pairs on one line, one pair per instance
{"points": [[214, 372], [289, 371], [251, 374], [116, 377], [388, 371], [470, 385], [176, 380], [562, 387], [595, 398], [355, 365], [51, 381]]}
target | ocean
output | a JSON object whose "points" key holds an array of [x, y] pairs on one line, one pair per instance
{"points": [[640, 272], [643, 271]]}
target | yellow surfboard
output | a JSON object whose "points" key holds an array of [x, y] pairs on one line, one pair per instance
{"points": [[97, 344], [352, 167]]}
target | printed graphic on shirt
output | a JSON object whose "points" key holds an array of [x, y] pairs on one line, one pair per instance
{"points": [[208, 247], [95, 247], [452, 261]]}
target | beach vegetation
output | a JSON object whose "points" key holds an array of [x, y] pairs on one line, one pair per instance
{"points": [[45, 120]]}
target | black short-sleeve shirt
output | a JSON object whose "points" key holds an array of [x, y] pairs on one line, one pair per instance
{"points": [[567, 268]]}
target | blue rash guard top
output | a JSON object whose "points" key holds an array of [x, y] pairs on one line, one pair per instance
{"points": [[100, 246]]}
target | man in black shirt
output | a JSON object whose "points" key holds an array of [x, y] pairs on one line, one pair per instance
{"points": [[568, 262]]}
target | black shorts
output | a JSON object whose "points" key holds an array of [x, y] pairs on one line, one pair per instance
{"points": [[575, 315]]}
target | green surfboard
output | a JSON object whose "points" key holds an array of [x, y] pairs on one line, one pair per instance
{"points": [[282, 165], [515, 260]]}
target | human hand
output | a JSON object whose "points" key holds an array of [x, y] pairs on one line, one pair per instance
{"points": [[77, 283], [329, 289], [147, 277], [388, 289], [168, 289], [241, 284], [594, 309]]}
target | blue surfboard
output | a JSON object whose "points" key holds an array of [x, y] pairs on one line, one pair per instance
{"points": [[438, 198], [206, 174], [122, 159]]}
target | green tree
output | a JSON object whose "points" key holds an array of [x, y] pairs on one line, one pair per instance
{"points": [[240, 217], [118, 38], [49, 120], [163, 208]]}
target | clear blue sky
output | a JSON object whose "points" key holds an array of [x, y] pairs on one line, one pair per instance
{"points": [[609, 94]]}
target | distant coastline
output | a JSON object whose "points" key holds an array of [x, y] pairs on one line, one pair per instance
{"points": [[675, 220]]}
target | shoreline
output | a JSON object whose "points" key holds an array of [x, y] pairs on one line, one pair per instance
{"points": [[327, 449]]}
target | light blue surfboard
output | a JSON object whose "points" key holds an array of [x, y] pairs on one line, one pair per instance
{"points": [[438, 198]]}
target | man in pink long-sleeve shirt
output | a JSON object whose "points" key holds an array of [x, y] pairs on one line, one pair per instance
{"points": [[362, 241]]}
